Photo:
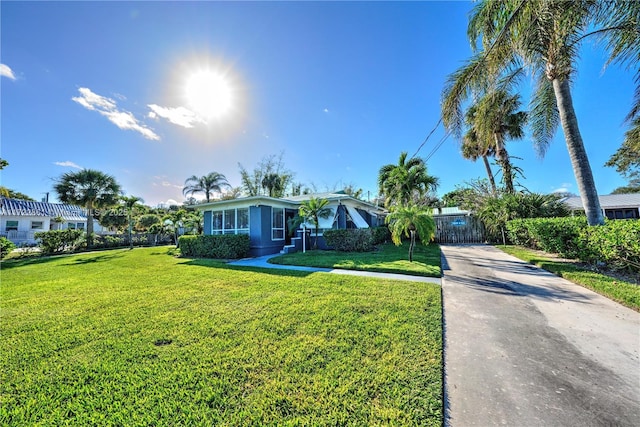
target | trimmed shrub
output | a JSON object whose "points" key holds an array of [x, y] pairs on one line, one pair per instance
{"points": [[6, 246], [381, 235], [350, 240], [56, 241], [226, 246]]}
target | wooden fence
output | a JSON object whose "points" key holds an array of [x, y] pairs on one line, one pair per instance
{"points": [[459, 229]]}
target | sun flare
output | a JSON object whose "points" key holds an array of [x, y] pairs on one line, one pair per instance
{"points": [[209, 94]]}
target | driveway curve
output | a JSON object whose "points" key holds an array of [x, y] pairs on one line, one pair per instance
{"points": [[524, 347]]}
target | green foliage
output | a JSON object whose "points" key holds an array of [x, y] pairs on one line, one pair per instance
{"points": [[226, 246], [57, 241], [209, 184], [617, 243], [12, 194], [405, 220], [6, 246], [269, 177], [145, 222], [351, 240], [381, 235], [312, 210], [405, 182], [142, 338]]}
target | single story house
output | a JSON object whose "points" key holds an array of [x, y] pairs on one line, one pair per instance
{"points": [[21, 219], [614, 206], [265, 219]]}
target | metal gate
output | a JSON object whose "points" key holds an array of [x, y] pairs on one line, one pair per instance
{"points": [[459, 229]]}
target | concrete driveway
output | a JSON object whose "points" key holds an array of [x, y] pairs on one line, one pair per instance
{"points": [[526, 348]]}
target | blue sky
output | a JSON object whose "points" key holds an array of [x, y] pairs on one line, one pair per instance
{"points": [[340, 88]]}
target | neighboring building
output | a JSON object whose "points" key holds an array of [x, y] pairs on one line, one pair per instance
{"points": [[264, 219], [21, 219], [614, 206]]}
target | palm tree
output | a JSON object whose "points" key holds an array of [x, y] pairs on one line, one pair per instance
{"points": [[90, 189], [208, 184], [130, 202], [494, 120], [544, 36], [472, 149], [272, 183], [312, 210], [400, 183], [408, 221]]}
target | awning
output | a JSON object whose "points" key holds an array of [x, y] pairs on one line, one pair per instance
{"points": [[324, 222], [357, 218]]}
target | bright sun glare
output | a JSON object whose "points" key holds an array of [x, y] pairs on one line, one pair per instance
{"points": [[209, 94]]}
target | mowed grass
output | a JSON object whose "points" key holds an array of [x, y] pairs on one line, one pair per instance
{"points": [[388, 258], [619, 290], [142, 338]]}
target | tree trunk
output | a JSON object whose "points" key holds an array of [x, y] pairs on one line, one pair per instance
{"points": [[577, 153], [492, 180], [503, 158], [413, 242], [89, 225]]}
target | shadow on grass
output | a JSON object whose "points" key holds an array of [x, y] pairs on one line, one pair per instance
{"points": [[93, 259], [282, 272]]}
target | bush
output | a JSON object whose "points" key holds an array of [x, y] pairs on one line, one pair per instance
{"points": [[227, 246], [381, 235], [617, 243], [56, 241], [6, 246], [351, 240]]}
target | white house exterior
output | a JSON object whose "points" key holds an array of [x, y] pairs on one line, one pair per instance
{"points": [[21, 219], [614, 206]]}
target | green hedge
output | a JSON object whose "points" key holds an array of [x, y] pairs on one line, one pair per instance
{"points": [[56, 241], [226, 246], [6, 246], [617, 243], [381, 235], [350, 240]]}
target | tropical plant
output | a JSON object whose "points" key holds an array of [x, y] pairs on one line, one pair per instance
{"points": [[130, 203], [493, 120], [273, 185], [405, 181], [12, 194], [543, 36], [90, 189], [254, 183], [174, 221], [408, 221], [312, 210], [472, 149], [209, 184]]}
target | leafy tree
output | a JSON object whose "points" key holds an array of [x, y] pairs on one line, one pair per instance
{"points": [[312, 210], [214, 182], [408, 221], [174, 221], [7, 192], [3, 163], [544, 37], [457, 197], [130, 203], [472, 149], [232, 193], [253, 183], [632, 188], [401, 182], [626, 159], [90, 189], [146, 221]]}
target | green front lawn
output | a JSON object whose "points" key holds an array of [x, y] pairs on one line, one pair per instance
{"points": [[142, 338], [387, 259], [619, 290]]}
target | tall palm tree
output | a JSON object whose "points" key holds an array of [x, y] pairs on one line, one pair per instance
{"points": [[408, 221], [130, 203], [472, 148], [90, 189], [312, 210], [214, 182], [402, 182], [272, 183], [544, 37]]}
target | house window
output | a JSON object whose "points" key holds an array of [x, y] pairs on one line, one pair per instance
{"points": [[80, 226], [230, 221], [12, 226], [277, 223], [37, 225], [622, 213], [71, 225]]}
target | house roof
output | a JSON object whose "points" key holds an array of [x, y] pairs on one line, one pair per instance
{"points": [[292, 201], [609, 201], [17, 207]]}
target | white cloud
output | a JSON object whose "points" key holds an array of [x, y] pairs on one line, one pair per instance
{"points": [[565, 187], [326, 110], [109, 108], [5, 71], [68, 164], [180, 116]]}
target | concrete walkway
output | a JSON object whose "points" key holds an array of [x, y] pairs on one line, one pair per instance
{"points": [[526, 348], [262, 262]]}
